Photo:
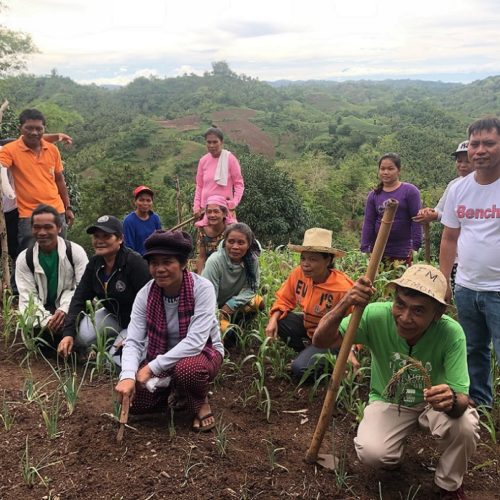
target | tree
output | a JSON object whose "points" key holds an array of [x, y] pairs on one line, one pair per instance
{"points": [[14, 46], [271, 205]]}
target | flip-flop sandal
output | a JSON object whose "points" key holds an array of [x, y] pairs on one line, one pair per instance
{"points": [[203, 428]]}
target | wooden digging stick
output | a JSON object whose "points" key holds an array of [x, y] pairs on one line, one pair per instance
{"points": [[333, 387], [123, 418], [427, 243], [187, 221]]}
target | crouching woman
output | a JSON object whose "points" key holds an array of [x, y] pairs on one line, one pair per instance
{"points": [[173, 333]]}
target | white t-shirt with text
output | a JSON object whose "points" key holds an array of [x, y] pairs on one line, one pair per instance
{"points": [[475, 209]]}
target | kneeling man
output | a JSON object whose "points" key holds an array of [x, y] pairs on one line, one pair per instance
{"points": [[414, 325], [49, 270]]}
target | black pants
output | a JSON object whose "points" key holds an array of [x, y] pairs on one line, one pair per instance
{"points": [[292, 331]]}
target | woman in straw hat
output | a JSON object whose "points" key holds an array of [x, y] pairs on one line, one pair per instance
{"points": [[174, 330], [316, 287]]}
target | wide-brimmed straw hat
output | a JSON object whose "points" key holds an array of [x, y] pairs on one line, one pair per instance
{"points": [[317, 239], [425, 279]]}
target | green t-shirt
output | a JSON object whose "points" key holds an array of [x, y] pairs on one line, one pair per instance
{"points": [[50, 266], [441, 350]]}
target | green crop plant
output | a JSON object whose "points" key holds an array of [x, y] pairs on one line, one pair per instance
{"points": [[222, 437], [171, 424], [9, 316], [68, 381], [6, 414], [33, 391], [31, 471], [272, 452], [50, 408], [101, 361], [188, 467], [28, 325]]}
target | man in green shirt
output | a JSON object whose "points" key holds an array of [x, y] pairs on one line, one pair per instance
{"points": [[48, 272], [415, 326]]}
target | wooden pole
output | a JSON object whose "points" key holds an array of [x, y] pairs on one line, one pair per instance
{"points": [[187, 221], [427, 242], [123, 418], [178, 201], [3, 227], [333, 387]]}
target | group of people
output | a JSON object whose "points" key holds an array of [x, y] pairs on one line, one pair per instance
{"points": [[169, 325]]}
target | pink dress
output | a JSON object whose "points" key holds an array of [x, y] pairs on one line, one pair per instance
{"points": [[206, 185]]}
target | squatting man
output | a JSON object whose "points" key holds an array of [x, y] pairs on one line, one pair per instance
{"points": [[413, 325]]}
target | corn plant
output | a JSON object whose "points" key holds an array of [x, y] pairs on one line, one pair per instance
{"points": [[9, 316], [221, 437], [101, 361], [34, 391], [171, 424], [50, 408], [258, 386], [188, 467], [272, 455], [28, 325], [31, 471], [6, 415], [68, 381]]}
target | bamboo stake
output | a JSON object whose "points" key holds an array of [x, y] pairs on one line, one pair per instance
{"points": [[333, 387], [187, 221], [3, 227], [427, 243]]}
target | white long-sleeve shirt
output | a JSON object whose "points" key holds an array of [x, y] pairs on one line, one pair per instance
{"points": [[203, 325]]}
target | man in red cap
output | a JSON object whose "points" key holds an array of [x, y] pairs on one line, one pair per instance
{"points": [[142, 222]]}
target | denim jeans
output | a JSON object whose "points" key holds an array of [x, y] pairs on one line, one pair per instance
{"points": [[479, 315]]}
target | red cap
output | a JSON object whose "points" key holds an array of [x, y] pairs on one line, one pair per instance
{"points": [[142, 189]]}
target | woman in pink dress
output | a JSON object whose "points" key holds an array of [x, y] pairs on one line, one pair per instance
{"points": [[219, 173]]}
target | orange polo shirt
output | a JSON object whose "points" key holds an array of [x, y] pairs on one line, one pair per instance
{"points": [[315, 300], [34, 175]]}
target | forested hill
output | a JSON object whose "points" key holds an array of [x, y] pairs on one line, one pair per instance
{"points": [[308, 150]]}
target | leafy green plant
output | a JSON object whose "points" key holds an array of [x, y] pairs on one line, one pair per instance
{"points": [[9, 316], [221, 437], [50, 408], [68, 381], [188, 467], [31, 471], [272, 455], [28, 326], [6, 415]]}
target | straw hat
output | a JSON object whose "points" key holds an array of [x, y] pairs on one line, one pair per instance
{"points": [[425, 279], [317, 240]]}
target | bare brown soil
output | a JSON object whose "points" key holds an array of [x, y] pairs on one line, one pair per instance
{"points": [[238, 127], [155, 463], [185, 123]]}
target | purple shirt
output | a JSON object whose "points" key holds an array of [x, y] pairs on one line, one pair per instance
{"points": [[405, 234]]}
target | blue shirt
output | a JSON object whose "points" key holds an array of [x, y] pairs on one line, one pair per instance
{"points": [[137, 230]]}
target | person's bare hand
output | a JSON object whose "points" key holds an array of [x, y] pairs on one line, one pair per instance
{"points": [[125, 387], [70, 217], [440, 397], [65, 346], [65, 139], [272, 329], [361, 292], [425, 215], [144, 374], [56, 321]]}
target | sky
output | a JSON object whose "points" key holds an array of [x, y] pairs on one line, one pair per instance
{"points": [[115, 41]]}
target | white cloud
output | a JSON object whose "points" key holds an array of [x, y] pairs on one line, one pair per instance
{"points": [[94, 39]]}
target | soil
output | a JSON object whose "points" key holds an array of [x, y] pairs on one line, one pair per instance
{"points": [[159, 461]]}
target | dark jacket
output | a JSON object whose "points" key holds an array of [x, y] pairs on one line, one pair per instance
{"points": [[130, 273]]}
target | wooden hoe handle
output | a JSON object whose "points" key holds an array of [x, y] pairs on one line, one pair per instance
{"points": [[333, 387]]}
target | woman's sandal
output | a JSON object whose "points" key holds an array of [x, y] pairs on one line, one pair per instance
{"points": [[203, 428]]}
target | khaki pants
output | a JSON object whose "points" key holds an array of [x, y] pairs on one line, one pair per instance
{"points": [[382, 432]]}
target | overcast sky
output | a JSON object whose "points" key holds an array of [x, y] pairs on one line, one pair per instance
{"points": [[114, 41]]}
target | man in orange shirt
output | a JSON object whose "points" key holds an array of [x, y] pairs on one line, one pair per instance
{"points": [[37, 172]]}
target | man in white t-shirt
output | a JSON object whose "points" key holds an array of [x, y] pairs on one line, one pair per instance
{"points": [[471, 218]]}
